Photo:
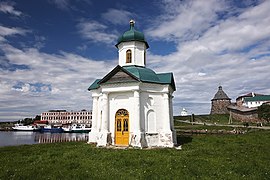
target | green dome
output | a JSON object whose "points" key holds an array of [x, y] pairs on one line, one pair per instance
{"points": [[132, 35]]}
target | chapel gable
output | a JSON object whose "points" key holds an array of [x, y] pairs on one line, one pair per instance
{"points": [[119, 77]]}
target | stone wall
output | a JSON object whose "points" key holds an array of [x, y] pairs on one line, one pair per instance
{"points": [[220, 106], [250, 116]]}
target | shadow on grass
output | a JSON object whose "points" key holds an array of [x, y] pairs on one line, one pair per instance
{"points": [[181, 139]]}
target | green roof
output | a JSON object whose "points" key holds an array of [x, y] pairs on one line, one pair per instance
{"points": [[94, 85], [132, 35], [258, 98], [140, 73]]}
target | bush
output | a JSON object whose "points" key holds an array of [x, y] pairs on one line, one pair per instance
{"points": [[264, 112]]}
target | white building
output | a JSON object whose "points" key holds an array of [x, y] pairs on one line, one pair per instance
{"points": [[132, 105], [184, 112], [65, 117], [255, 101]]}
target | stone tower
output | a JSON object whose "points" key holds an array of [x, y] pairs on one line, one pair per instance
{"points": [[220, 102]]}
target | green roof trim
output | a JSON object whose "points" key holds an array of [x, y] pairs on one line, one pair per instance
{"points": [[94, 85], [142, 73], [148, 75], [167, 78], [257, 98], [132, 35], [139, 73]]}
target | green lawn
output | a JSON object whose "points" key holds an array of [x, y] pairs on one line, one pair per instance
{"points": [[202, 157], [213, 119]]}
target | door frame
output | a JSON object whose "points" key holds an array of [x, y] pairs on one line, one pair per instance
{"points": [[121, 138]]}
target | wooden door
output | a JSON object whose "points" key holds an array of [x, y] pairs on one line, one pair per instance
{"points": [[122, 127]]}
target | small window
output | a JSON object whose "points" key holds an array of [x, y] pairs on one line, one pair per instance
{"points": [[125, 125], [144, 58], [118, 125], [128, 56]]}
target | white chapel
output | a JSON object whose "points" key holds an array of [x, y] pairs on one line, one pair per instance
{"points": [[132, 105]]}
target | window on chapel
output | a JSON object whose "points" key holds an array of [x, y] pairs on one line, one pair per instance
{"points": [[128, 56], [144, 58]]}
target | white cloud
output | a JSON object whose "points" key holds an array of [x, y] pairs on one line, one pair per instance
{"points": [[50, 81], [61, 4], [213, 51], [185, 19], [96, 32], [7, 7], [117, 17], [5, 31]]}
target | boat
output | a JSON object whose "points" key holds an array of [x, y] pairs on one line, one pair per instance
{"points": [[21, 127], [77, 128], [51, 128]]}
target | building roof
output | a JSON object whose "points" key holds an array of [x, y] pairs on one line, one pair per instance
{"points": [[94, 85], [252, 94], [57, 110], [132, 35], [142, 73], [241, 108], [257, 98], [138, 73], [220, 95]]}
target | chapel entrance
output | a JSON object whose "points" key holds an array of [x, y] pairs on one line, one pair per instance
{"points": [[121, 127]]}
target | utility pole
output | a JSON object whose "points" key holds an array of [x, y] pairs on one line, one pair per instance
{"points": [[230, 118]]}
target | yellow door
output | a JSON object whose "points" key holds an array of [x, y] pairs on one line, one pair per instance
{"points": [[121, 127]]}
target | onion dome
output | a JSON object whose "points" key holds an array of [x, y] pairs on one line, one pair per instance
{"points": [[132, 35]]}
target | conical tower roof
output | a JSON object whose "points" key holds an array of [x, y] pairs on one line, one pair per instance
{"points": [[220, 95]]}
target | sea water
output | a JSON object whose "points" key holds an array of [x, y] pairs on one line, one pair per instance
{"points": [[14, 138]]}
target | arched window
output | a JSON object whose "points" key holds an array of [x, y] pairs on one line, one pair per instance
{"points": [[128, 56], [151, 122]]}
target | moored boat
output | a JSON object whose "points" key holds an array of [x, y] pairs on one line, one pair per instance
{"points": [[21, 127], [77, 128], [50, 128]]}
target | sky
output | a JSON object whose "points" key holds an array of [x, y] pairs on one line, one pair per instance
{"points": [[52, 50]]}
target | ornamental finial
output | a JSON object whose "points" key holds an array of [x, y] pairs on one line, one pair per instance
{"points": [[131, 22]]}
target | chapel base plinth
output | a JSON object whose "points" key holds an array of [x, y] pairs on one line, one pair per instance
{"points": [[104, 138], [166, 139], [152, 139], [174, 137], [92, 137], [138, 140]]}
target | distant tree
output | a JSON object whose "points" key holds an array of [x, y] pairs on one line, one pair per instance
{"points": [[27, 121], [264, 112], [37, 118]]}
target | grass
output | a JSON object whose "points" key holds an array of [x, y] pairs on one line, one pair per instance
{"points": [[202, 157], [203, 127], [214, 119]]}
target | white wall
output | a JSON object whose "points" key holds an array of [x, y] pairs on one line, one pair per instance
{"points": [[252, 104], [153, 105], [137, 48]]}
